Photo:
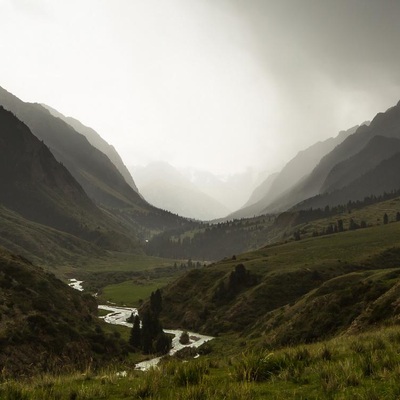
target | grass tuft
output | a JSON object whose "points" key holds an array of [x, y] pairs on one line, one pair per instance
{"points": [[253, 367]]}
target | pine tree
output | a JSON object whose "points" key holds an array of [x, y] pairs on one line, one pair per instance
{"points": [[136, 337], [163, 343], [353, 225], [385, 219], [296, 235], [146, 334], [156, 302]]}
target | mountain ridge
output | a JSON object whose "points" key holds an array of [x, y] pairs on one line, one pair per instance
{"points": [[370, 156], [292, 173], [97, 141], [39, 188], [384, 124], [91, 168]]}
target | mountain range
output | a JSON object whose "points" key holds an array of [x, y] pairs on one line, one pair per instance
{"points": [[231, 190], [166, 188], [40, 189], [356, 164], [350, 166], [59, 192], [63, 199], [191, 192], [333, 269], [82, 192], [99, 178], [292, 173], [90, 167]]}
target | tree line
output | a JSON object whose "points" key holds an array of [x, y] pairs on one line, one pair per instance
{"points": [[338, 226], [148, 335], [211, 242]]}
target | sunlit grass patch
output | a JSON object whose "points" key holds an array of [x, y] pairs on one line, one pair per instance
{"points": [[132, 292]]}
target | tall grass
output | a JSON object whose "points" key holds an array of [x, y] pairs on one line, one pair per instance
{"points": [[253, 367], [362, 367]]}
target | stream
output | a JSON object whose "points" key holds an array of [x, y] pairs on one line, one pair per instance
{"points": [[118, 315]]}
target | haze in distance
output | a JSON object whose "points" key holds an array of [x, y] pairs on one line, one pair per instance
{"points": [[207, 86]]}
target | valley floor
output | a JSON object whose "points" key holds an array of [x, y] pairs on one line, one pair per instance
{"points": [[119, 315]]}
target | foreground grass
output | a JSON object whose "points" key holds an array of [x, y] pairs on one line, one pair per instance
{"points": [[366, 366]]}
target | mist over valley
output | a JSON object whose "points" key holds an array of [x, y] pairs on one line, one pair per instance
{"points": [[199, 200]]}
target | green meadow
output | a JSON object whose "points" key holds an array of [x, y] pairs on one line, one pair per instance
{"points": [[132, 293]]}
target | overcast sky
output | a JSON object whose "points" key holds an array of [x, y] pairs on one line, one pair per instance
{"points": [[219, 85]]}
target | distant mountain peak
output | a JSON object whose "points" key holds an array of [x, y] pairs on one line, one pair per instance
{"points": [[166, 187]]}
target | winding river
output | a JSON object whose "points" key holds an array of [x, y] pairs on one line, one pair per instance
{"points": [[118, 315]]}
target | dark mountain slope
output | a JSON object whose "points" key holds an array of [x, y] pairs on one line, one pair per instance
{"points": [[379, 148], [36, 186], [90, 167], [384, 124], [45, 326], [304, 163], [93, 170], [256, 200], [33, 183], [293, 172], [383, 178], [97, 141]]}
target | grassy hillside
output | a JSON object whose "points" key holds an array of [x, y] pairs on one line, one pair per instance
{"points": [[324, 282], [215, 241], [34, 241], [366, 213], [315, 318], [46, 326]]}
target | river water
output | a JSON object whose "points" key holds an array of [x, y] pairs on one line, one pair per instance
{"points": [[118, 315]]}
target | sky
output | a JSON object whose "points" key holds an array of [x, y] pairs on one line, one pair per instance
{"points": [[216, 85]]}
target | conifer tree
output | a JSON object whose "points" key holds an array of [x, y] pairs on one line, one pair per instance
{"points": [[136, 337], [152, 337], [156, 302], [146, 334]]}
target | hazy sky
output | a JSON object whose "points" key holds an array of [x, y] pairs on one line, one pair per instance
{"points": [[219, 85]]}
